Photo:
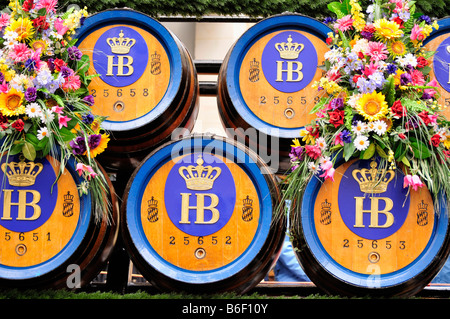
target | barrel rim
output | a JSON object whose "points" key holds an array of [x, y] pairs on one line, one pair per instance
{"points": [[444, 27], [349, 277], [165, 37], [133, 224], [65, 254], [241, 47]]}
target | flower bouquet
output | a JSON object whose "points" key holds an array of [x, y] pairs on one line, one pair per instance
{"points": [[377, 100], [45, 106]]}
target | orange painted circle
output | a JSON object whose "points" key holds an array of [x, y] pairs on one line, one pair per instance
{"points": [[367, 256], [135, 100], [199, 253], [288, 110], [40, 245]]}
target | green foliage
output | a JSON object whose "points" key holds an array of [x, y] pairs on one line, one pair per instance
{"points": [[253, 8]]}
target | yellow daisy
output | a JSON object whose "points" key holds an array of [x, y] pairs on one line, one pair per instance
{"points": [[372, 106], [397, 48], [23, 28], [39, 44], [101, 146], [11, 103], [386, 29]]}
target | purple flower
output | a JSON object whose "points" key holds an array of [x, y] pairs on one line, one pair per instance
{"points": [[328, 20], [337, 103], [78, 146], [30, 94], [89, 99], [405, 78], [87, 118], [94, 140], [66, 71], [296, 153], [2, 77], [425, 18], [367, 35], [391, 68], [74, 53], [346, 136]]}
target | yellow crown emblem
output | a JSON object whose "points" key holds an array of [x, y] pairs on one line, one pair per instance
{"points": [[199, 177], [289, 50], [120, 45], [22, 174], [371, 181]]}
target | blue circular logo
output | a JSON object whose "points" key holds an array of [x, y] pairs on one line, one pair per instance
{"points": [[441, 64], [371, 207], [200, 194], [28, 196], [120, 56], [289, 61]]}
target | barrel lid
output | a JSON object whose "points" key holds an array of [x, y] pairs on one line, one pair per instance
{"points": [[139, 63], [205, 248], [44, 223], [278, 58], [380, 240], [439, 41]]}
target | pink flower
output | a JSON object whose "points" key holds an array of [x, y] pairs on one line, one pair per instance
{"points": [[62, 120], [344, 24], [432, 92], [49, 5], [413, 181], [417, 77], [81, 168], [313, 151], [57, 109], [60, 27], [328, 174], [4, 20], [72, 83], [370, 69], [4, 87], [20, 52], [417, 33], [377, 51]]}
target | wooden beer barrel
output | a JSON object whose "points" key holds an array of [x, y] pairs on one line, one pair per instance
{"points": [[264, 84], [355, 241], [50, 238], [197, 217], [439, 41], [147, 87]]}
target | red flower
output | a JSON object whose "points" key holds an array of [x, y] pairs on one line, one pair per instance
{"points": [[425, 118], [397, 109], [336, 117], [436, 140], [421, 62], [329, 41], [18, 125], [28, 5], [40, 23], [313, 151], [58, 64]]}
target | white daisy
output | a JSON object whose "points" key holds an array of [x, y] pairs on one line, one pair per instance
{"points": [[47, 116], [380, 127], [361, 142], [42, 132], [320, 142], [313, 167], [33, 110], [359, 128]]}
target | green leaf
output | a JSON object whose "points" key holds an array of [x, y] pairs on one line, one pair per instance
{"points": [[400, 151], [420, 149], [318, 105], [349, 149], [405, 161], [369, 152], [336, 8], [381, 152], [29, 151]]}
